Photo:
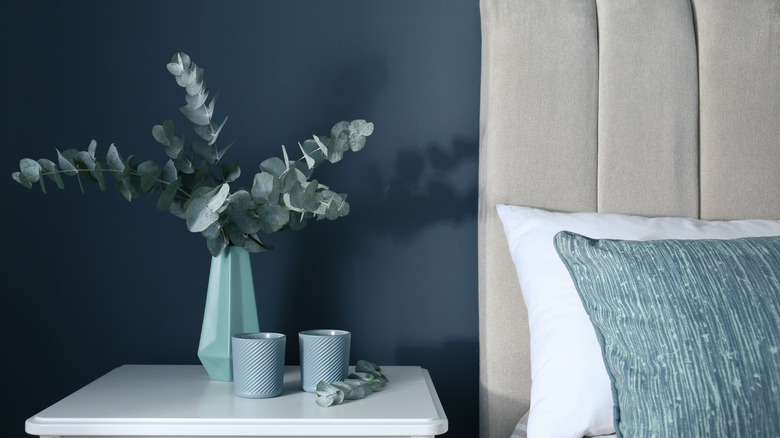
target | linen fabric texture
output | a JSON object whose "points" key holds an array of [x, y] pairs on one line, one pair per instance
{"points": [[571, 394], [689, 331]]}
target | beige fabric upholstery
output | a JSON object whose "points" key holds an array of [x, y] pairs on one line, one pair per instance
{"points": [[652, 107], [536, 104], [648, 108], [739, 81]]}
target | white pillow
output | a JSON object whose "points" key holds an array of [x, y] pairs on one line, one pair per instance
{"points": [[570, 393]]}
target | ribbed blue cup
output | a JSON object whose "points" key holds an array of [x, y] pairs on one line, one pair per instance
{"points": [[258, 364], [324, 356]]}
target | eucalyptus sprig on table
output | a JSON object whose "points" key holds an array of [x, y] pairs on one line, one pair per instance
{"points": [[366, 379], [194, 184]]}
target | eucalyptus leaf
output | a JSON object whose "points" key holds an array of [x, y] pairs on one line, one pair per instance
{"points": [[43, 185], [336, 208], [184, 59], [66, 165], [123, 186], [212, 231], [149, 171], [113, 159], [366, 366], [266, 188], [30, 168], [175, 68], [169, 172], [310, 202], [290, 204], [209, 132], [350, 391], [361, 127], [297, 220], [294, 199], [291, 179], [159, 134], [340, 142], [223, 151], [313, 150], [201, 212], [179, 63], [197, 84], [335, 155], [230, 171], [274, 166], [206, 152], [325, 400], [234, 235], [184, 164], [342, 206], [168, 195], [20, 178], [92, 149], [197, 100], [176, 148], [164, 133], [286, 159], [50, 170], [320, 141], [201, 175], [128, 166], [254, 244], [206, 132], [187, 75], [97, 172], [198, 116], [199, 217], [304, 170], [356, 142], [338, 128], [242, 212], [84, 161], [178, 209], [216, 245], [272, 217], [309, 160]]}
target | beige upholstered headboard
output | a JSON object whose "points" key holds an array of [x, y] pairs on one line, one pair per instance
{"points": [[650, 107]]}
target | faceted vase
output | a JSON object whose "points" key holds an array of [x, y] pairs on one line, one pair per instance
{"points": [[230, 309]]}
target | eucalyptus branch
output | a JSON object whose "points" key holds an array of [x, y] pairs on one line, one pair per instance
{"points": [[366, 379], [282, 196]]}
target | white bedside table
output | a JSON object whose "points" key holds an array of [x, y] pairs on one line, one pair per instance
{"points": [[181, 400]]}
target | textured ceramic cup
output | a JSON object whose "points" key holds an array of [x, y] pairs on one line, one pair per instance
{"points": [[324, 356], [258, 364]]}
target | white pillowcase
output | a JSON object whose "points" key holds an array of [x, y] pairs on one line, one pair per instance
{"points": [[570, 393]]}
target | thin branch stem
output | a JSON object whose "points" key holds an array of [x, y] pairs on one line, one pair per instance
{"points": [[132, 172]]}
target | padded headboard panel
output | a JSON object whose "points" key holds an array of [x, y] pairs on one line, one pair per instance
{"points": [[650, 107]]}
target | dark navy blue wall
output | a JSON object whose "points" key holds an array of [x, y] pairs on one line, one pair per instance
{"points": [[91, 282]]}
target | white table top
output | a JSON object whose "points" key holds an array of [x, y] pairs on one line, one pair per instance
{"points": [[170, 400]]}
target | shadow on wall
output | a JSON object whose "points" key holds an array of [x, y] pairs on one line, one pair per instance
{"points": [[428, 185], [453, 378]]}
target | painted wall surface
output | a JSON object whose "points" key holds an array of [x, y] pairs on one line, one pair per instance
{"points": [[91, 282]]}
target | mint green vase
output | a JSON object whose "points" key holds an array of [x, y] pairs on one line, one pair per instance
{"points": [[230, 309]]}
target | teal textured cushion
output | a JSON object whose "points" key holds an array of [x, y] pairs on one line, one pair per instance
{"points": [[689, 330]]}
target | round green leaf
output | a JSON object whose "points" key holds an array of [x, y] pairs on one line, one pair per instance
{"points": [[30, 169]]}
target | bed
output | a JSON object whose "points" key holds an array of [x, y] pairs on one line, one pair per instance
{"points": [[666, 109]]}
